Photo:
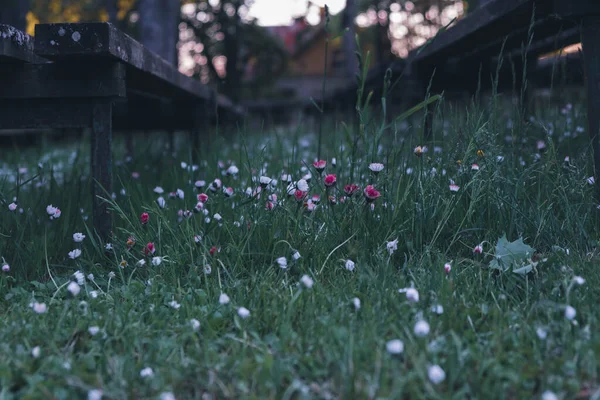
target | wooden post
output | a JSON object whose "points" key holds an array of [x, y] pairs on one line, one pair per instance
{"points": [[590, 40], [101, 165]]}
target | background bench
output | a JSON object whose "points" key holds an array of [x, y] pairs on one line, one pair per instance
{"points": [[91, 75]]}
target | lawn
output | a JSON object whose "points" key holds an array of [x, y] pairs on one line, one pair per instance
{"points": [[458, 267]]}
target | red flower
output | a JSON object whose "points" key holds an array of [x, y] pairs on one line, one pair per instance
{"points": [[320, 165], [330, 180], [269, 206], [203, 197], [144, 218], [299, 195], [149, 249], [371, 194], [214, 250], [351, 189]]}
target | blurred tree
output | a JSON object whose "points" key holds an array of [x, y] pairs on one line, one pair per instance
{"points": [[158, 27], [49, 11], [403, 25], [349, 41], [13, 12], [229, 48]]}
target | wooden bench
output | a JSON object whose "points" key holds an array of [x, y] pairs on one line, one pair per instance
{"points": [[91, 75], [470, 49]]}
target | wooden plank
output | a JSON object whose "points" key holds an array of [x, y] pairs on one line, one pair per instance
{"points": [[63, 80], [591, 51], [102, 40], [16, 46], [41, 113], [101, 166], [488, 15]]}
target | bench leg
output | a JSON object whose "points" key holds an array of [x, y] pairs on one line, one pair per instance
{"points": [[101, 166], [590, 36]]}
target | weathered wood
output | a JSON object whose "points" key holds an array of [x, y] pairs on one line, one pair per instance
{"points": [[101, 166], [103, 40], [16, 46], [62, 80], [590, 36]]}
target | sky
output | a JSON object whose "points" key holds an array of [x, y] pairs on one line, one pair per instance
{"points": [[281, 12]]}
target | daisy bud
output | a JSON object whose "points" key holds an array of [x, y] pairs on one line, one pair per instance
{"points": [[454, 187], [149, 249], [73, 288], [282, 262], [202, 197], [421, 328], [144, 218], [146, 372], [223, 299], [320, 165], [371, 194], [356, 303], [376, 168], [264, 181], [158, 190], [392, 246], [36, 352], [351, 189], [302, 185], [330, 180], [307, 281], [12, 206], [478, 249], [570, 313], [243, 312], [395, 346], [447, 268], [5, 267], [195, 324], [349, 265], [412, 295], [436, 374], [39, 308]]}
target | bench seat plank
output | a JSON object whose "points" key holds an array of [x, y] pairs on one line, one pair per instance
{"points": [[103, 41], [16, 46]]}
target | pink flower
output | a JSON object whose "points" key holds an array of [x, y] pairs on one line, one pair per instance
{"points": [[269, 205], [475, 167], [330, 180], [447, 268], [478, 249], [135, 175], [371, 194], [351, 189], [454, 187], [149, 249], [144, 218], [228, 192], [12, 206], [320, 165], [299, 195], [202, 197]]}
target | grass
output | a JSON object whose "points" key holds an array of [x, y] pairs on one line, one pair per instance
{"points": [[151, 331]]}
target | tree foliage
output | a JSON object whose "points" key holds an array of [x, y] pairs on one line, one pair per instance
{"points": [[229, 47]]}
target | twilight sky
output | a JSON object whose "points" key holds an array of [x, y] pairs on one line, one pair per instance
{"points": [[281, 12]]}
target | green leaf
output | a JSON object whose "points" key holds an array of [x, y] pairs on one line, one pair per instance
{"points": [[513, 255]]}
